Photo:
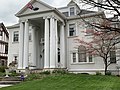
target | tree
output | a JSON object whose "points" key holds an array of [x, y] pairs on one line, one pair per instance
{"points": [[111, 6], [101, 44]]}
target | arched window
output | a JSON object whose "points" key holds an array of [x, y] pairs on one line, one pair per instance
{"points": [[82, 54]]}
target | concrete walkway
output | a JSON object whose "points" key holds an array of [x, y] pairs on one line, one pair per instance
{"points": [[4, 85]]}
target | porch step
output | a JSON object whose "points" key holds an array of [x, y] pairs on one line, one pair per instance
{"points": [[9, 82], [10, 79]]}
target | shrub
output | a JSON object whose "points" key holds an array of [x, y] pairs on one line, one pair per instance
{"points": [[59, 71], [33, 76], [13, 73], [45, 72], [2, 68], [2, 74], [108, 73], [98, 73]]}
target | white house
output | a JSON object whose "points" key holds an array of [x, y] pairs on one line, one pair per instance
{"points": [[44, 38]]}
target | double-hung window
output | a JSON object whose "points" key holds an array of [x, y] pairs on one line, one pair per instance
{"points": [[72, 30], [72, 11], [82, 57], [15, 36]]}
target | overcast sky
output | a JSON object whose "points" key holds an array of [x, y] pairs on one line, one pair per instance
{"points": [[10, 7]]}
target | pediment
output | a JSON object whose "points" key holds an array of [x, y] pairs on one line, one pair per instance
{"points": [[35, 3]]}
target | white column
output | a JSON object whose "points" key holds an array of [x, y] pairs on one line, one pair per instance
{"points": [[56, 42], [33, 47], [52, 43], [62, 46], [47, 45], [21, 46], [26, 45]]}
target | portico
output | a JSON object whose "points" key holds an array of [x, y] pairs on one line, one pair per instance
{"points": [[44, 55]]}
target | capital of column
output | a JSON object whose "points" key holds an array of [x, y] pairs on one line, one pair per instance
{"points": [[46, 17], [55, 18], [26, 21]]}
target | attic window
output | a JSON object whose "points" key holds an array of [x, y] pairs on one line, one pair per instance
{"points": [[72, 11]]}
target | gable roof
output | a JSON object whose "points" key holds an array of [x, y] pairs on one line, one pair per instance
{"points": [[33, 1], [4, 29]]}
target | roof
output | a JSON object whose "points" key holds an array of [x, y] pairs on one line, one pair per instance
{"points": [[13, 26], [32, 1], [4, 29]]}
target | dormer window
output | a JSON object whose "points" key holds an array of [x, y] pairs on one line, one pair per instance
{"points": [[72, 11]]}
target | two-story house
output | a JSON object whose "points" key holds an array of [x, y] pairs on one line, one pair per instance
{"points": [[44, 38]]}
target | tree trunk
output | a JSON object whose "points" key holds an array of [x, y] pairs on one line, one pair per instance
{"points": [[105, 69], [105, 61]]}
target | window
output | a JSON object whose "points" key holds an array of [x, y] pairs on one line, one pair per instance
{"points": [[112, 56], [72, 31], [6, 49], [82, 54], [72, 11], [90, 58], [15, 59], [74, 57], [16, 36]]}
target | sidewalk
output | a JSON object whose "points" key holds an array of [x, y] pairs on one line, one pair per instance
{"points": [[4, 85]]}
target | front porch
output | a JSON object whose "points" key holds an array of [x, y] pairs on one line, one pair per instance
{"points": [[47, 47]]}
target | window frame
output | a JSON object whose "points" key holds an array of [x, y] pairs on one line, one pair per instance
{"points": [[113, 56], [77, 58], [72, 26], [14, 36], [74, 57], [72, 13], [82, 55]]}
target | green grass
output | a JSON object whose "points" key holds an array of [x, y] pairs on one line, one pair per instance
{"points": [[70, 82]]}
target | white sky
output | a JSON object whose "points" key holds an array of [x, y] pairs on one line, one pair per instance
{"points": [[10, 7]]}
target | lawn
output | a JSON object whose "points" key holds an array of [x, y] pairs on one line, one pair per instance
{"points": [[70, 82]]}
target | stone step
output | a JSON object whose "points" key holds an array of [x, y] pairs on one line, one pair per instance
{"points": [[10, 79], [9, 82]]}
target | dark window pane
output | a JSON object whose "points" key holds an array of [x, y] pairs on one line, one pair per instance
{"points": [[82, 54], [74, 57], [112, 57], [72, 11]]}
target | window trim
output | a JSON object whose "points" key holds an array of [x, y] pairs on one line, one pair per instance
{"points": [[13, 37], [112, 62], [74, 10], [74, 30], [77, 57]]}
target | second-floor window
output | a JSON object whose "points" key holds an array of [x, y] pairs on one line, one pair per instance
{"points": [[15, 36], [72, 31], [72, 11]]}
